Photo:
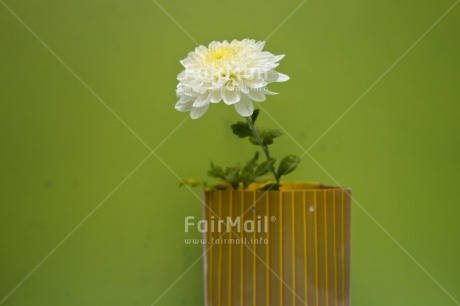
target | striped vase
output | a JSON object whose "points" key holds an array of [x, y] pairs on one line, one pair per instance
{"points": [[277, 248]]}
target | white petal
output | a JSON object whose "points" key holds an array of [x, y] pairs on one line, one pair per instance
{"points": [[184, 107], [197, 112], [184, 99], [260, 45], [201, 49], [282, 77], [215, 96], [245, 107], [257, 95], [185, 62], [268, 92], [201, 100], [243, 88], [272, 76], [230, 96], [200, 88], [255, 82], [181, 75], [214, 44], [279, 57]]}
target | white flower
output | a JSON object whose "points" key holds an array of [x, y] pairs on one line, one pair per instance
{"points": [[236, 72]]}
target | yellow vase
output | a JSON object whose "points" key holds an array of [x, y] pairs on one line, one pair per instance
{"points": [[277, 248]]}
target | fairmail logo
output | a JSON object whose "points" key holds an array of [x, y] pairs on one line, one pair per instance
{"points": [[228, 224]]}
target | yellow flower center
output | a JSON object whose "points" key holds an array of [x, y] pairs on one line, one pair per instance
{"points": [[218, 57], [220, 53]]}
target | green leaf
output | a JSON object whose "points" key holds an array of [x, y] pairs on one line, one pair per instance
{"points": [[265, 167], [267, 136], [215, 171], [254, 116], [193, 182], [231, 176], [270, 134], [271, 187], [219, 187], [247, 177], [208, 186], [252, 163], [253, 140], [241, 129], [288, 164]]}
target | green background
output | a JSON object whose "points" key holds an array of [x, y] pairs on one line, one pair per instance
{"points": [[79, 227]]}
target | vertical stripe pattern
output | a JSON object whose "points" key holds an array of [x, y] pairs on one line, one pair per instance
{"points": [[289, 248]]}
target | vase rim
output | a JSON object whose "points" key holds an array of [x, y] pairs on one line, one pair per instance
{"points": [[287, 187]]}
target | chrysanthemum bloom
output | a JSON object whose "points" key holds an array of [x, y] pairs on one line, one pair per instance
{"points": [[236, 73]]}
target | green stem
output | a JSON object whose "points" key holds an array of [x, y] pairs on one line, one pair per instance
{"points": [[263, 146]]}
